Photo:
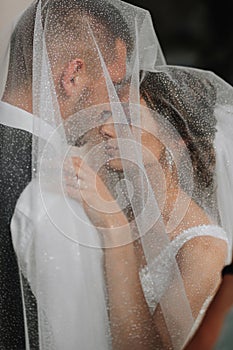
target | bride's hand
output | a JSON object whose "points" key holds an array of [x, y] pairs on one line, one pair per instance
{"points": [[99, 204]]}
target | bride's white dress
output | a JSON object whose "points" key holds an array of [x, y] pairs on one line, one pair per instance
{"points": [[67, 277]]}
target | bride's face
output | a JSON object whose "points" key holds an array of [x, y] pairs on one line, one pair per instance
{"points": [[146, 129]]}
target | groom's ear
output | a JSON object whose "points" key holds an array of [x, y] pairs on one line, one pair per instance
{"points": [[117, 69], [74, 77]]}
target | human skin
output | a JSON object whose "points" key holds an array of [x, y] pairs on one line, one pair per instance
{"points": [[210, 328]]}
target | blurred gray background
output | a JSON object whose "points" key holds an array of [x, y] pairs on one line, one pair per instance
{"points": [[9, 9], [195, 33]]}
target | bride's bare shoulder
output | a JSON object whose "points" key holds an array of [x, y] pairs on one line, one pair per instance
{"points": [[209, 244]]}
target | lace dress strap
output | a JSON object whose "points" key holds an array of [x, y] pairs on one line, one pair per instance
{"points": [[163, 262]]}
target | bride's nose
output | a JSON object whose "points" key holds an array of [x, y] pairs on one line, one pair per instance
{"points": [[107, 129]]}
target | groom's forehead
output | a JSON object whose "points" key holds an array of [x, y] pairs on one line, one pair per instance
{"points": [[75, 16]]}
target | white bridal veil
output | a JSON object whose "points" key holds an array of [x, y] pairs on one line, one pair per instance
{"points": [[124, 224]]}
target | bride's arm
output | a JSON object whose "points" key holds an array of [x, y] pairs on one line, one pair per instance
{"points": [[209, 331], [131, 322], [199, 260]]}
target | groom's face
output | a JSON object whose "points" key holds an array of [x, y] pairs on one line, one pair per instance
{"points": [[85, 82]]}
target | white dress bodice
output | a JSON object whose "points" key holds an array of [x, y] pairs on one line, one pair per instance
{"points": [[163, 261]]}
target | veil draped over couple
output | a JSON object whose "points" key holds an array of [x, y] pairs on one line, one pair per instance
{"points": [[116, 184]]}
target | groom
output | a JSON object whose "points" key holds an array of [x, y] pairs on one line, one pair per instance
{"points": [[76, 89]]}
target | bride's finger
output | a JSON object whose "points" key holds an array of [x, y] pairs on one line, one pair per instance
{"points": [[71, 180], [80, 165], [73, 193], [72, 168], [81, 169], [68, 167], [78, 184], [84, 172], [77, 161]]}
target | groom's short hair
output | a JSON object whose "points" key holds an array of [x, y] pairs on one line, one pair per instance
{"points": [[64, 19]]}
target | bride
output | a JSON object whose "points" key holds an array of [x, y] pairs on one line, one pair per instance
{"points": [[197, 240]]}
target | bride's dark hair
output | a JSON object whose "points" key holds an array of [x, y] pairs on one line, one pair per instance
{"points": [[187, 102]]}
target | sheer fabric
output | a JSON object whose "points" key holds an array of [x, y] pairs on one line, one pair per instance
{"points": [[124, 228]]}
